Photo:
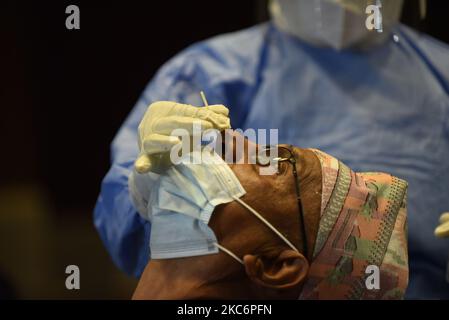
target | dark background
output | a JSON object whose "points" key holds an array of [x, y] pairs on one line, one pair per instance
{"points": [[63, 95]]}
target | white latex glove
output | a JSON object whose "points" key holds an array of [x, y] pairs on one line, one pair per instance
{"points": [[442, 231], [161, 118]]}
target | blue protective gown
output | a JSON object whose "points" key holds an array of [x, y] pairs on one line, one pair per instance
{"points": [[386, 110]]}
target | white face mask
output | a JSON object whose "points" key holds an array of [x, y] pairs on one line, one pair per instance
{"points": [[338, 24], [183, 201]]}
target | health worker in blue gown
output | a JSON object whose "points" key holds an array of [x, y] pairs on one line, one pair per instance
{"points": [[327, 74]]}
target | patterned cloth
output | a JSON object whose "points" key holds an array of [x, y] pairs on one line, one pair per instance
{"points": [[363, 223]]}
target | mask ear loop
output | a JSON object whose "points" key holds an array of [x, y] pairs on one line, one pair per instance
{"points": [[229, 252], [269, 225]]}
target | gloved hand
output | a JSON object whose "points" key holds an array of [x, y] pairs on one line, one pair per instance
{"points": [[160, 119], [442, 231]]}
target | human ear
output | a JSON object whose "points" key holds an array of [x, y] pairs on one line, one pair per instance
{"points": [[285, 271]]}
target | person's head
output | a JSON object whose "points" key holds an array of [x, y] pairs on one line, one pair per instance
{"points": [[339, 24], [312, 230], [271, 269]]}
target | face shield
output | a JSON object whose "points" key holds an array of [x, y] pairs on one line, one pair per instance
{"points": [[339, 24]]}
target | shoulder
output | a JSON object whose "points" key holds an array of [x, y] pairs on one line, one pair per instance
{"points": [[220, 54], [435, 52], [424, 39]]}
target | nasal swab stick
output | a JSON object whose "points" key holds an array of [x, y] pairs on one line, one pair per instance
{"points": [[204, 98]]}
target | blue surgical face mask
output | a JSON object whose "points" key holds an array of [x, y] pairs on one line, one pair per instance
{"points": [[182, 202]]}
